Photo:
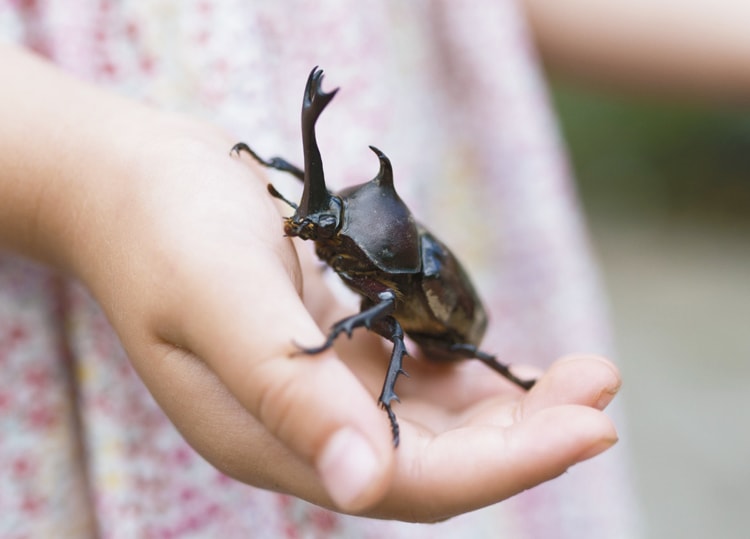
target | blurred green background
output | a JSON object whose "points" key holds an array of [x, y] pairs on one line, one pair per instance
{"points": [[637, 157], [666, 190]]}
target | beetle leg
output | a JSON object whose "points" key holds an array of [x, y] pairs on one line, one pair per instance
{"points": [[377, 317], [275, 193], [472, 352], [365, 318], [277, 163], [389, 328]]}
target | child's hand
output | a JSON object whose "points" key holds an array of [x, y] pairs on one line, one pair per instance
{"points": [[183, 247], [190, 263]]}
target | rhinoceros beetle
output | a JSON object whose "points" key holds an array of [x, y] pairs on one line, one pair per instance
{"points": [[408, 279]]}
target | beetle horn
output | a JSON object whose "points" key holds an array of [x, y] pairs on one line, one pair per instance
{"points": [[385, 174], [315, 195]]}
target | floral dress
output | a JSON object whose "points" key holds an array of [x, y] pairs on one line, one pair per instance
{"points": [[452, 93]]}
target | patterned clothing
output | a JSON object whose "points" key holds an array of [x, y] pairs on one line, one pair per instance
{"points": [[451, 92]]}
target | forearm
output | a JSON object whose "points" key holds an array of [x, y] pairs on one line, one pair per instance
{"points": [[69, 153], [53, 140], [694, 49]]}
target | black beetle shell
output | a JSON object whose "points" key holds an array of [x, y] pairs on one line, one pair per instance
{"points": [[450, 294], [379, 223]]}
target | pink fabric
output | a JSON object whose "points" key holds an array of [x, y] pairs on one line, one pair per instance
{"points": [[451, 92]]}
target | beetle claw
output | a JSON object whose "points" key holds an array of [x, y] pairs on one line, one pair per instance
{"points": [[277, 163], [470, 351], [347, 325], [396, 432], [312, 350]]}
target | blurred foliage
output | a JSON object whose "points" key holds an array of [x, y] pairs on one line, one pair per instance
{"points": [[651, 157]]}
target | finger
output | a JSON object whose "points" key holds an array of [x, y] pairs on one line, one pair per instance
{"points": [[586, 380], [217, 426], [313, 404], [469, 468]]}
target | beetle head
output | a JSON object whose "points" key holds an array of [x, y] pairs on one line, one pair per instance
{"points": [[319, 225]]}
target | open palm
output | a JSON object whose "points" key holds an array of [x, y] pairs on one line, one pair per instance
{"points": [[192, 268]]}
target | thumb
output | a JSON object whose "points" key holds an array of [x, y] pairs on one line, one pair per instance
{"points": [[312, 404]]}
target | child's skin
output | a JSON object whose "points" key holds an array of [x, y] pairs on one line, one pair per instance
{"points": [[183, 248], [671, 48]]}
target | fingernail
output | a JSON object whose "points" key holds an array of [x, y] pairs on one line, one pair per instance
{"points": [[347, 466], [606, 396], [597, 447]]}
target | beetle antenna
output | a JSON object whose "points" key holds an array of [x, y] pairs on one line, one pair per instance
{"points": [[275, 193]]}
